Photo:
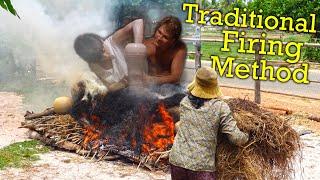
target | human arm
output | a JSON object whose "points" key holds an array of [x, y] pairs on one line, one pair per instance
{"points": [[100, 72], [134, 28], [103, 75], [228, 126]]}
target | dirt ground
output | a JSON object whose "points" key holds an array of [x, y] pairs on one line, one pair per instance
{"points": [[296, 104], [11, 115], [63, 165]]}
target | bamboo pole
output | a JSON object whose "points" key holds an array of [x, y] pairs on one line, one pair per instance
{"points": [[257, 83]]}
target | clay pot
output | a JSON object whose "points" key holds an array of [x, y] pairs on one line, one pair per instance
{"points": [[62, 105], [136, 55]]}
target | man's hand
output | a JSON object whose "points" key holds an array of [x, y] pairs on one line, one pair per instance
{"points": [[148, 80]]}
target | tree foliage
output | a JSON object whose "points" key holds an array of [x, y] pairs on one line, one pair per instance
{"points": [[288, 8], [7, 5], [224, 6], [295, 9], [147, 9]]}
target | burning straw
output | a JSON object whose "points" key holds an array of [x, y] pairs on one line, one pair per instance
{"points": [[89, 137], [268, 154], [270, 151]]}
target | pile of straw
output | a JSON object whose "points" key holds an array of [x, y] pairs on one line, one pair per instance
{"points": [[269, 154]]}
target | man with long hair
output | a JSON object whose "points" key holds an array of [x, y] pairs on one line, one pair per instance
{"points": [[166, 53]]}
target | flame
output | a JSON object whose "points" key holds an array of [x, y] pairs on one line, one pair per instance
{"points": [[160, 135], [92, 133], [155, 135]]}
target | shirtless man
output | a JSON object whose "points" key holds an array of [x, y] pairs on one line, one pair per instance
{"points": [[166, 53]]}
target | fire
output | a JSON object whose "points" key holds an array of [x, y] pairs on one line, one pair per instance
{"points": [[159, 136], [92, 133], [157, 132]]}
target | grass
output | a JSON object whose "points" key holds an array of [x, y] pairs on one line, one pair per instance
{"points": [[213, 48], [21, 154]]}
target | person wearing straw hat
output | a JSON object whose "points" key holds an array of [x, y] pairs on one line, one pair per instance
{"points": [[202, 115]]}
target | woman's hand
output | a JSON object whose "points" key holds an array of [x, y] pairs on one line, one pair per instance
{"points": [[118, 85]]}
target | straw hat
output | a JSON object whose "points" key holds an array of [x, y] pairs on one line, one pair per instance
{"points": [[205, 84]]}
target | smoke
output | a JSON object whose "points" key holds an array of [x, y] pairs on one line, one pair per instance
{"points": [[44, 38], [45, 34]]}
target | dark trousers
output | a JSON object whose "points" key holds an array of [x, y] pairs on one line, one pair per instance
{"points": [[179, 173]]}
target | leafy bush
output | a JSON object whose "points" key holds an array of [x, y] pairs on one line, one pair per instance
{"points": [[312, 54]]}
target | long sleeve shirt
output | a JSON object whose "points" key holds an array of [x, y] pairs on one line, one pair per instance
{"points": [[195, 144]]}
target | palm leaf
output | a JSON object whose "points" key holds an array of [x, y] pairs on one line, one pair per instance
{"points": [[9, 6], [3, 5]]}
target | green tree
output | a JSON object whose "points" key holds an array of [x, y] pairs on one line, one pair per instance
{"points": [[140, 9], [7, 5], [295, 9], [288, 8], [227, 5]]}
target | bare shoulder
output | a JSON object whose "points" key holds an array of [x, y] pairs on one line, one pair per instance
{"points": [[180, 49], [181, 46]]}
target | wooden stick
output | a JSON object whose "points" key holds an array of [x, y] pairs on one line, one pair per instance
{"points": [[46, 112], [111, 158], [287, 111], [314, 118], [35, 135]]}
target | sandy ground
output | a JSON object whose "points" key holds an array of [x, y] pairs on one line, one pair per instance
{"points": [[11, 116], [296, 104], [63, 165]]}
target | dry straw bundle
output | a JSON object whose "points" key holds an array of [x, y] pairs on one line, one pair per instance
{"points": [[270, 152]]}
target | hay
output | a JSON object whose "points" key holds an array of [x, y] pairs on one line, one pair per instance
{"points": [[270, 152]]}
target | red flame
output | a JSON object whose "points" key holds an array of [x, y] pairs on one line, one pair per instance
{"points": [[156, 135], [92, 133], [159, 136]]}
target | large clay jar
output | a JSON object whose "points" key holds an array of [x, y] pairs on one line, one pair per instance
{"points": [[62, 105], [136, 54]]}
